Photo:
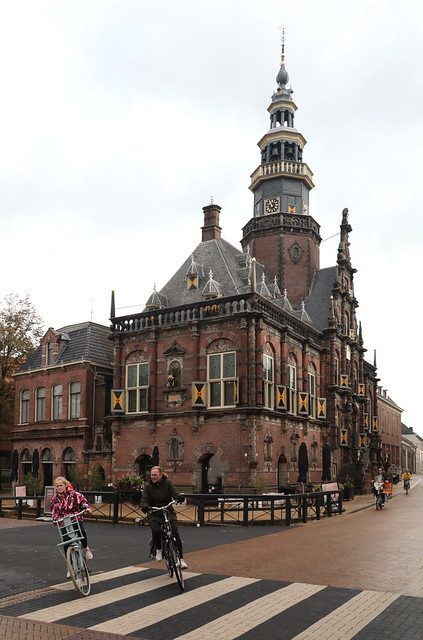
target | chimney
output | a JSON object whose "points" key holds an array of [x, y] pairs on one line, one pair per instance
{"points": [[211, 229]]}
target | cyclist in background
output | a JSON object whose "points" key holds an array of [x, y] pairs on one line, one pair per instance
{"points": [[158, 492], [65, 502], [406, 477]]}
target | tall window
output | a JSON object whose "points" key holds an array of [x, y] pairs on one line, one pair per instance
{"points": [[312, 394], [336, 370], [268, 382], [74, 400], [40, 404], [221, 371], [137, 387], [49, 353], [292, 389], [25, 405], [57, 402]]}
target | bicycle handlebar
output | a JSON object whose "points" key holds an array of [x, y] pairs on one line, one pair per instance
{"points": [[71, 515], [171, 503]]}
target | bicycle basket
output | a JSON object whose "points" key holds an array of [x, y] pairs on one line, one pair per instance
{"points": [[69, 529]]}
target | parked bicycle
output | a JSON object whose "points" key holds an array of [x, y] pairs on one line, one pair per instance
{"points": [[71, 549], [169, 544]]}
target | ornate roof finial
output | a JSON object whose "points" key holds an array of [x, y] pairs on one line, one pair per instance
{"points": [[211, 200], [282, 77], [282, 28]]}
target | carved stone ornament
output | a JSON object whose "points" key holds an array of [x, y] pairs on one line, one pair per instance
{"points": [[295, 252]]}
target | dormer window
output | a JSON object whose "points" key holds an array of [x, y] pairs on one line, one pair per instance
{"points": [[49, 354]]}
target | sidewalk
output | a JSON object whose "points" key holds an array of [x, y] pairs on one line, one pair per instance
{"points": [[360, 549]]}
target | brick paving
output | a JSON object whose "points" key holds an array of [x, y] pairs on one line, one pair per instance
{"points": [[376, 553], [343, 551]]}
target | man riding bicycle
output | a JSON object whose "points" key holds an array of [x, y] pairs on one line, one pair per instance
{"points": [[158, 492]]}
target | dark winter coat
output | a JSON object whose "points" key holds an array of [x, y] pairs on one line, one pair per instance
{"points": [[159, 494]]}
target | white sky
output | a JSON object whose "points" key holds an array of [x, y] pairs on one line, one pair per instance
{"points": [[120, 118]]}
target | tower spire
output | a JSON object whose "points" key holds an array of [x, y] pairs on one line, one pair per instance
{"points": [[282, 77]]}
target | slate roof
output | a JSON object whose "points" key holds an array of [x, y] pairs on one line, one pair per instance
{"points": [[317, 303], [231, 269], [227, 263], [86, 341]]}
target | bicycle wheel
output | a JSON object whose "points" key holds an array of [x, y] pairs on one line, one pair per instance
{"points": [[78, 570], [165, 550], [175, 561]]}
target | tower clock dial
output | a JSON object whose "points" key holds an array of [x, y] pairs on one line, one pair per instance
{"points": [[271, 205]]}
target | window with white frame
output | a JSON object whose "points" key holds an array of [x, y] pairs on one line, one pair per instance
{"points": [[24, 406], [137, 382], [74, 400], [292, 388], [40, 404], [268, 382], [311, 378], [56, 410], [222, 384]]}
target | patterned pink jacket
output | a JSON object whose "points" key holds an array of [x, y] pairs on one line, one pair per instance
{"points": [[68, 502]]}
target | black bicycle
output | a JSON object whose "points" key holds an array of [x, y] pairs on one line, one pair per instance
{"points": [[169, 545]]}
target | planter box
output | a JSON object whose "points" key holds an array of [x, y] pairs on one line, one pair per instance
{"points": [[348, 493]]}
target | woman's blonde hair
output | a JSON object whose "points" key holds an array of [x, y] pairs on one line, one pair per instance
{"points": [[160, 470], [62, 479]]}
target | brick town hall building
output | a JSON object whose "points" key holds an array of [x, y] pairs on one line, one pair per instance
{"points": [[246, 357]]}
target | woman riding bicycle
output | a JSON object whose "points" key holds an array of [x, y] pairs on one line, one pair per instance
{"points": [[158, 492], [406, 479], [65, 502]]}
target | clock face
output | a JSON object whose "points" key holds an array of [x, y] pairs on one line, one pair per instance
{"points": [[271, 205]]}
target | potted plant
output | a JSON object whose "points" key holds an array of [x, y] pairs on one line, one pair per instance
{"points": [[348, 488], [33, 487], [97, 482], [129, 488]]}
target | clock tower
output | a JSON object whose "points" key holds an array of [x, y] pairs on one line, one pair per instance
{"points": [[282, 235]]}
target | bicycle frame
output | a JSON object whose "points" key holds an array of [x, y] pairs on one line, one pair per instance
{"points": [[71, 549], [169, 545]]}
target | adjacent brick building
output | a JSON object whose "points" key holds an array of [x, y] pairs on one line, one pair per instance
{"points": [[61, 399]]}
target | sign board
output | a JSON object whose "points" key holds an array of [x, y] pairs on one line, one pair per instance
{"points": [[48, 494]]}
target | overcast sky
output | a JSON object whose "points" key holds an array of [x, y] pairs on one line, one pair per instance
{"points": [[120, 119]]}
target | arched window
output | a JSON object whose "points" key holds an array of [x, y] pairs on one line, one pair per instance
{"points": [[175, 447], [75, 400], [26, 459], [69, 461]]}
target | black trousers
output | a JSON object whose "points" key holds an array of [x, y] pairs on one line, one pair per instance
{"points": [[156, 528]]}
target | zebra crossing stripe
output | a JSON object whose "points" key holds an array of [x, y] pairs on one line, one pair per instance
{"points": [[159, 611], [353, 616], [74, 607], [245, 618], [101, 577]]}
